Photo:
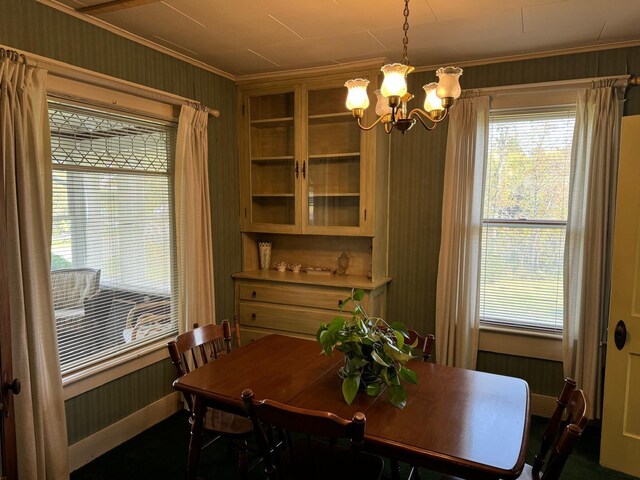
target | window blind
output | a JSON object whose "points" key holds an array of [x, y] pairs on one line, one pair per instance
{"points": [[113, 250], [524, 218]]}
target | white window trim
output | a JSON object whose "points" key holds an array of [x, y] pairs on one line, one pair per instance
{"points": [[520, 342], [109, 96], [81, 381]]}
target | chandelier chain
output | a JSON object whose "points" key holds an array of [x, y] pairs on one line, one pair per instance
{"points": [[405, 40]]}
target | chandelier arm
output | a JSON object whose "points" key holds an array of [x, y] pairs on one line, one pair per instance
{"points": [[417, 113], [362, 127], [388, 127], [421, 112]]}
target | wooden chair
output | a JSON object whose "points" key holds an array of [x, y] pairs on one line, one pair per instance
{"points": [[424, 343], [571, 411], [193, 349], [309, 458], [235, 330]]}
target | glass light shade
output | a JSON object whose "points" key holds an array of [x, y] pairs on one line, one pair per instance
{"points": [[382, 106], [357, 93], [395, 82], [449, 84], [432, 102]]}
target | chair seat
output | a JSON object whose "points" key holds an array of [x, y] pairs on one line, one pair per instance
{"points": [[227, 424], [310, 462]]}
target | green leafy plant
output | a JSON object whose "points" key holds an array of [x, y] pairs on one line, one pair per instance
{"points": [[376, 352]]}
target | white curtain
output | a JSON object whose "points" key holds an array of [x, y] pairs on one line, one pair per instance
{"points": [[41, 431], [193, 221], [457, 297], [587, 250]]}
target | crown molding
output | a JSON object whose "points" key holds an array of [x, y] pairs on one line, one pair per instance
{"points": [[135, 38], [342, 68]]}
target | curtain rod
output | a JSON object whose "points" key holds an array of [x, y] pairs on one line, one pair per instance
{"points": [[71, 72], [620, 81]]}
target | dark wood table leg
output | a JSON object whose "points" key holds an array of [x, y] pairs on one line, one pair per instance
{"points": [[195, 442]]}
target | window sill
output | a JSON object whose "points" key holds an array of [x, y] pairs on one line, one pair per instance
{"points": [[522, 343], [82, 381]]}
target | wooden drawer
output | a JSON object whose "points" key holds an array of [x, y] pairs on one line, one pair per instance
{"points": [[329, 299], [283, 318]]}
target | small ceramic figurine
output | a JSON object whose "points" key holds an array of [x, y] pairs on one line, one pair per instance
{"points": [[343, 263], [280, 266], [295, 267]]}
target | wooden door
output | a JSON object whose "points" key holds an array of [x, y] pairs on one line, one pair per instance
{"points": [[620, 448], [8, 468]]}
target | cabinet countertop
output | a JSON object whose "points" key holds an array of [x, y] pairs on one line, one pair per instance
{"points": [[334, 280]]}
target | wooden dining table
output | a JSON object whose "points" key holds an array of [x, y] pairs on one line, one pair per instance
{"points": [[458, 422]]}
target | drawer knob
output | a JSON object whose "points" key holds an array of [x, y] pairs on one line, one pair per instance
{"points": [[253, 317], [340, 303], [253, 294]]}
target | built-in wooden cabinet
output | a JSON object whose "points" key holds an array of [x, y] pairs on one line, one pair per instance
{"points": [[306, 166], [314, 185]]}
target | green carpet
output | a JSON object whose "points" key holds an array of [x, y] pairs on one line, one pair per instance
{"points": [[161, 452]]}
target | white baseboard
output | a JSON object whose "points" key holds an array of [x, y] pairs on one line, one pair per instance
{"points": [[87, 449], [542, 405]]}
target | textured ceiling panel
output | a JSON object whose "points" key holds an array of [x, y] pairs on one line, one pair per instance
{"points": [[244, 37]]}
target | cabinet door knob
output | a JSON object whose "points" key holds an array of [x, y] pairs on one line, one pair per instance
{"points": [[297, 169], [253, 317], [253, 294], [304, 169]]}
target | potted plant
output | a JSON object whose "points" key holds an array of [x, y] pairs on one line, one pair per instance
{"points": [[375, 352]]}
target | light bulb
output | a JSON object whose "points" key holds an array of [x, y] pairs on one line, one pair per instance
{"points": [[395, 82], [357, 93], [432, 102], [449, 84]]}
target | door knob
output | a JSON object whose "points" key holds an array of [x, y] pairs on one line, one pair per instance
{"points": [[13, 387], [620, 335]]}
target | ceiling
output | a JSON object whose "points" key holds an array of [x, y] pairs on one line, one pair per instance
{"points": [[248, 37]]}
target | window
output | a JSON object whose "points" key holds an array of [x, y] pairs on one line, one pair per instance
{"points": [[524, 218], [112, 253]]}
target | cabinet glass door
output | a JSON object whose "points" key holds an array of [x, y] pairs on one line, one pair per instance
{"points": [[333, 155], [272, 159]]}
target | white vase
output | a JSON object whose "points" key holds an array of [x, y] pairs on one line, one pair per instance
{"points": [[264, 249]]}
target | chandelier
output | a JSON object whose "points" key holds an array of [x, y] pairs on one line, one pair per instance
{"points": [[392, 98]]}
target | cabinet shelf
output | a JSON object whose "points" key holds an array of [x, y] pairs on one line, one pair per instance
{"points": [[271, 195], [273, 158], [335, 155], [341, 117], [316, 194], [272, 122], [350, 281]]}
